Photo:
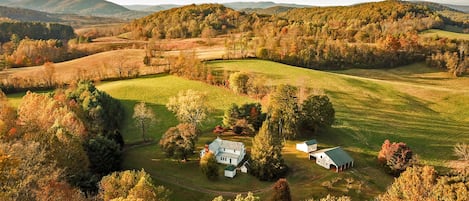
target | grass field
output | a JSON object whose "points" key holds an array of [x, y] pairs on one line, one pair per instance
{"points": [[444, 34], [426, 109]]}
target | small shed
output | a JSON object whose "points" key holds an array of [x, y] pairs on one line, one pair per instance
{"points": [[244, 167], [332, 158], [230, 171], [307, 146]]}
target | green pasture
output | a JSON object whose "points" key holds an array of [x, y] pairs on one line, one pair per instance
{"points": [[425, 108]]}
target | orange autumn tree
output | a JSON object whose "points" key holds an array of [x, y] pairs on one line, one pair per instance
{"points": [[396, 157]]}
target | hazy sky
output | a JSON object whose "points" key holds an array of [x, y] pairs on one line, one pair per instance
{"points": [[307, 2]]}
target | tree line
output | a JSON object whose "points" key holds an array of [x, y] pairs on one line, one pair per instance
{"points": [[35, 30], [371, 35]]}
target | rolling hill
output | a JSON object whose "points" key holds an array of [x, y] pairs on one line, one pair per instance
{"points": [[28, 15], [20, 14], [81, 7]]}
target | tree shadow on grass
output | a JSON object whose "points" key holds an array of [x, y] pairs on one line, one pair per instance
{"points": [[164, 120]]}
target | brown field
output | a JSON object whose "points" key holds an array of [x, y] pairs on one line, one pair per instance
{"points": [[109, 63]]}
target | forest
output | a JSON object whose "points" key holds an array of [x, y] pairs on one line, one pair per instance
{"points": [[35, 30], [370, 35]]}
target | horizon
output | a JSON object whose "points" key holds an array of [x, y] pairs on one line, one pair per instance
{"points": [[299, 2]]}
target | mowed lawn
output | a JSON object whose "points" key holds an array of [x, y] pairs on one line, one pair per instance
{"points": [[424, 108]]}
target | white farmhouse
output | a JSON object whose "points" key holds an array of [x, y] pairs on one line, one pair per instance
{"points": [[225, 151], [332, 158], [307, 146]]}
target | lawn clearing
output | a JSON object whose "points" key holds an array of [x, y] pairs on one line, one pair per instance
{"points": [[444, 34]]}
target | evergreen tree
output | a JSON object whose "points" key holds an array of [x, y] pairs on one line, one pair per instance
{"points": [[266, 154], [284, 111]]}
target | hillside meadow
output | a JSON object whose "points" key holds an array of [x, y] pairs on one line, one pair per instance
{"points": [[414, 104], [444, 34]]}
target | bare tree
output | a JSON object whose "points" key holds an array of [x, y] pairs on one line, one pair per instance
{"points": [[49, 73], [143, 116], [461, 150]]}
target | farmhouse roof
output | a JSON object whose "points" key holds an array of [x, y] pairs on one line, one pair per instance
{"points": [[229, 144], [311, 142], [337, 155]]}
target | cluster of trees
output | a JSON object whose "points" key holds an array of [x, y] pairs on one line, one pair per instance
{"points": [[35, 30], [248, 84], [249, 197], [284, 118], [423, 183], [455, 62], [60, 144], [131, 185], [20, 52], [396, 157], [191, 109], [187, 65], [290, 113], [246, 118], [28, 52]]}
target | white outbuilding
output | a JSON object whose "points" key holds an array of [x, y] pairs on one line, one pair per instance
{"points": [[230, 171], [332, 158], [307, 146], [244, 167]]}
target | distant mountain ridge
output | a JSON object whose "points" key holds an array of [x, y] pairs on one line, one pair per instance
{"points": [[81, 7], [28, 15], [241, 6], [261, 4], [151, 8]]}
